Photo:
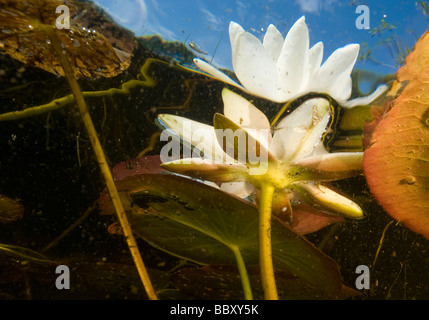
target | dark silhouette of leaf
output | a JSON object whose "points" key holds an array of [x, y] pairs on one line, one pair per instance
{"points": [[194, 221]]}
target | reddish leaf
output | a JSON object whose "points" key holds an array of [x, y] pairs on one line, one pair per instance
{"points": [[417, 61], [143, 165], [146, 164], [307, 219], [396, 164]]}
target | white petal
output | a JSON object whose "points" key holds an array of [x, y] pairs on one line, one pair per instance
{"points": [[320, 149], [219, 75], [254, 66], [312, 139], [198, 134], [239, 189], [211, 184], [246, 115], [298, 134], [273, 42], [363, 101], [315, 58], [335, 166], [292, 65], [207, 169], [244, 145], [243, 112], [234, 31], [343, 89], [335, 71], [326, 199]]}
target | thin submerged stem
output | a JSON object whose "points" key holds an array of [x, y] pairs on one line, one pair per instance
{"points": [[265, 250], [102, 162], [245, 282]]}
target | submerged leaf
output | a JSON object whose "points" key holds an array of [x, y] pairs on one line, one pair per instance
{"points": [[199, 223], [396, 164], [416, 61]]}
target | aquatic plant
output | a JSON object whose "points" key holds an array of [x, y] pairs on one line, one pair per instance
{"points": [[210, 224], [26, 25], [294, 158], [282, 69], [295, 163], [202, 224], [396, 157]]}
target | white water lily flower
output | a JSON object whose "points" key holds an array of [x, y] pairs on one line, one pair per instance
{"points": [[282, 69], [293, 159]]}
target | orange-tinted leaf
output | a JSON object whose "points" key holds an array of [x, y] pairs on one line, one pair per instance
{"points": [[378, 111], [416, 61], [396, 164]]}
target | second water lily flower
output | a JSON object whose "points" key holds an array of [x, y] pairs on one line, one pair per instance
{"points": [[280, 69], [292, 159]]}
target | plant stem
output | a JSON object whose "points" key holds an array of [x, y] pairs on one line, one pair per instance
{"points": [[61, 102], [102, 162], [265, 250], [243, 274]]}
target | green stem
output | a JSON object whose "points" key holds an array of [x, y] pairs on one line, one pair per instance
{"points": [[102, 161], [265, 250], [60, 102], [243, 274]]}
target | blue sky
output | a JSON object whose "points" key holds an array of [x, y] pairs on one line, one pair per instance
{"points": [[205, 22]]}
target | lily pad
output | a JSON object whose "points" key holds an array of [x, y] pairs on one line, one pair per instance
{"points": [[92, 54], [199, 223], [396, 163]]}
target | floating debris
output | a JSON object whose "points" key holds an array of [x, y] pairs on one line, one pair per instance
{"points": [[10, 210]]}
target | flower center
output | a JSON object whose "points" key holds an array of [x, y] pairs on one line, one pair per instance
{"points": [[280, 175]]}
